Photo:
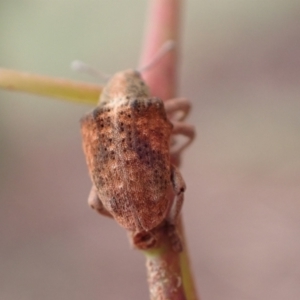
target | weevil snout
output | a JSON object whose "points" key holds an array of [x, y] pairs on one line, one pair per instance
{"points": [[128, 83]]}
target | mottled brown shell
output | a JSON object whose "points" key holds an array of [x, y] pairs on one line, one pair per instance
{"points": [[126, 143]]}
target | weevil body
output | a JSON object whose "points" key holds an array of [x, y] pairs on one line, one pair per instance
{"points": [[126, 140]]}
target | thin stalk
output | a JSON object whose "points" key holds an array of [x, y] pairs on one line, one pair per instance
{"points": [[169, 273], [69, 90], [164, 272]]}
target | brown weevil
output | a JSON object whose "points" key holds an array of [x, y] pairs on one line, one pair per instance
{"points": [[126, 141]]}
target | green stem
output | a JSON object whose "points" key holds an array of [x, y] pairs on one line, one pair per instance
{"points": [[186, 270], [51, 87]]}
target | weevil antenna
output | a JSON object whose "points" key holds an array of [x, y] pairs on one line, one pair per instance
{"points": [[164, 49], [82, 67]]}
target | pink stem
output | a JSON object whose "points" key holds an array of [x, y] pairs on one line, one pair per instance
{"points": [[163, 25], [164, 266]]}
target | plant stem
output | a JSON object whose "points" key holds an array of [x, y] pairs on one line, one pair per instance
{"points": [[164, 273], [51, 87], [186, 271], [169, 273]]}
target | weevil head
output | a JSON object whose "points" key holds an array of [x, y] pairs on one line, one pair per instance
{"points": [[127, 83]]}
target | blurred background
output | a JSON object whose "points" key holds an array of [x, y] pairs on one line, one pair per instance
{"points": [[240, 67]]}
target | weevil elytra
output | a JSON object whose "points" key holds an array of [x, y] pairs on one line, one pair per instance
{"points": [[126, 141]]}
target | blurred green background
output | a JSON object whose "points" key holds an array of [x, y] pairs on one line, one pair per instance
{"points": [[240, 67]]}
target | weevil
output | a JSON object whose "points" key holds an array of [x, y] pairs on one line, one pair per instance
{"points": [[126, 141]]}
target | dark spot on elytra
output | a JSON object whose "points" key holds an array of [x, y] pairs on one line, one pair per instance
{"points": [[100, 181]]}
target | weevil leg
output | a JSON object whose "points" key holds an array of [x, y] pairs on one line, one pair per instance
{"points": [[143, 239], [174, 237], [186, 130], [179, 188], [95, 203], [177, 106]]}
